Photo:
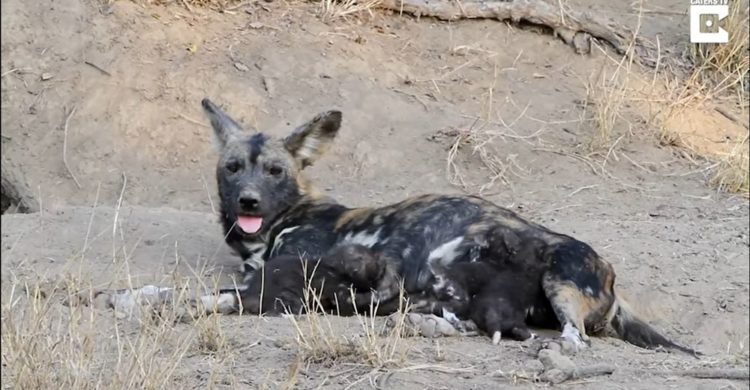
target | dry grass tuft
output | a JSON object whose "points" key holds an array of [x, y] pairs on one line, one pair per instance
{"points": [[47, 344], [211, 338], [330, 10], [320, 341], [216, 5], [733, 172], [50, 340], [606, 94], [384, 346]]}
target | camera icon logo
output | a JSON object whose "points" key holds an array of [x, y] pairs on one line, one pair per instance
{"points": [[704, 22]]}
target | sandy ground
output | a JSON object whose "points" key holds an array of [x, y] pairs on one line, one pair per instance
{"points": [[405, 87]]}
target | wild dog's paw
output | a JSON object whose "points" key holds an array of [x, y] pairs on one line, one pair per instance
{"points": [[496, 337], [453, 320], [572, 340], [427, 325]]}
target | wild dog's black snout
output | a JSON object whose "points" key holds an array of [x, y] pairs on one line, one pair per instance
{"points": [[248, 202]]}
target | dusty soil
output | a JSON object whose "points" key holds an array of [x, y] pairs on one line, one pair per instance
{"points": [[406, 88]]}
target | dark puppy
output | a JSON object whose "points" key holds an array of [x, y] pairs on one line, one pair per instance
{"points": [[497, 301], [501, 307], [287, 281]]}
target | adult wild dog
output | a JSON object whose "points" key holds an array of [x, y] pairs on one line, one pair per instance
{"points": [[269, 210]]}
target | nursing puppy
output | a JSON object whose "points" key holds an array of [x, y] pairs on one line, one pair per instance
{"points": [[345, 279], [502, 306], [498, 301]]}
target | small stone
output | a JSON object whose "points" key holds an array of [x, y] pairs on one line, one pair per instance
{"points": [[534, 365], [568, 348], [554, 376], [445, 328], [427, 328], [555, 360], [552, 346], [415, 318], [241, 67], [47, 76]]}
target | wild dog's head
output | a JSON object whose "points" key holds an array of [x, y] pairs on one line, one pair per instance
{"points": [[258, 176]]}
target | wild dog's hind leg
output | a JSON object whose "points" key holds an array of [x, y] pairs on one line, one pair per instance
{"points": [[579, 287]]}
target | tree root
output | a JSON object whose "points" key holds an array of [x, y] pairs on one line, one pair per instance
{"points": [[709, 373], [575, 28]]}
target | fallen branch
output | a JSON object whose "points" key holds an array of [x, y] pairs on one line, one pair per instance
{"points": [[575, 28]]}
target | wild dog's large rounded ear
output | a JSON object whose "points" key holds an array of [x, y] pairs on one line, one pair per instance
{"points": [[225, 128], [311, 140]]}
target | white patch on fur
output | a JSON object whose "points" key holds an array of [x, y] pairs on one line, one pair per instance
{"points": [[530, 311], [222, 303], [588, 291], [309, 149], [279, 240], [254, 247], [439, 283], [406, 253], [446, 253], [496, 337], [572, 334], [363, 238], [450, 317], [255, 261], [125, 301]]}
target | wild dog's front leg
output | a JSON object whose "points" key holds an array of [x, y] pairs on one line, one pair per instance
{"points": [[126, 302], [222, 302]]}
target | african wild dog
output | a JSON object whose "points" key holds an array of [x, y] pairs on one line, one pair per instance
{"points": [[345, 280], [268, 210]]}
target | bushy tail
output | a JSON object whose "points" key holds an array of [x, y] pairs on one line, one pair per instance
{"points": [[637, 332]]}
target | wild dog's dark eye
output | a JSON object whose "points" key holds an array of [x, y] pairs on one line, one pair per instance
{"points": [[233, 166], [275, 170]]}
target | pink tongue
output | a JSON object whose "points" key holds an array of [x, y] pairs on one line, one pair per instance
{"points": [[249, 224]]}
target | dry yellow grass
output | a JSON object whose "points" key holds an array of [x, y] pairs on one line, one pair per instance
{"points": [[732, 174], [49, 340], [319, 341], [336, 9], [48, 345]]}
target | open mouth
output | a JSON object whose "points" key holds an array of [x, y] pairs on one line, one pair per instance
{"points": [[249, 224]]}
